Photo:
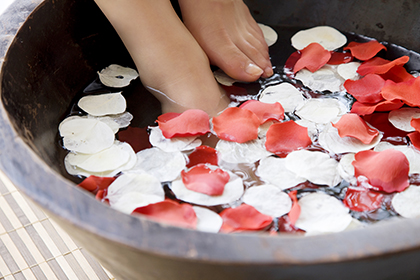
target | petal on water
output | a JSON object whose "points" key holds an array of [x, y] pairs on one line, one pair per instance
{"points": [[244, 218], [321, 111], [103, 104], [285, 93], [368, 108], [340, 58], [192, 122], [354, 126], [380, 121], [378, 65], [249, 152], [117, 76], [401, 118], [203, 154], [207, 220], [294, 212], [236, 125], [286, 137], [348, 71], [386, 170], [407, 203], [157, 139], [366, 89], [170, 212], [412, 154], [362, 199], [95, 183], [265, 111], [397, 74], [329, 37], [203, 179], [324, 79], [313, 57], [405, 91], [366, 50], [268, 200]]}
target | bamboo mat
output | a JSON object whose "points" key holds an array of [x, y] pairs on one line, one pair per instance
{"points": [[32, 246]]}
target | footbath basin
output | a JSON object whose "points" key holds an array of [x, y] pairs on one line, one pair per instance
{"points": [[56, 53]]}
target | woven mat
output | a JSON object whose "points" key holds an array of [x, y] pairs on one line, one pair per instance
{"points": [[32, 246]]}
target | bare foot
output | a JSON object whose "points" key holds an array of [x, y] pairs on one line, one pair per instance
{"points": [[171, 63], [230, 37]]}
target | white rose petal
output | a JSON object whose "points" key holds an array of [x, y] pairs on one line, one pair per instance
{"points": [[157, 139], [286, 94], [248, 152], [117, 76], [406, 203], [401, 118], [103, 104], [322, 110], [268, 199], [166, 166], [321, 213], [328, 37], [207, 220], [272, 170], [270, 35], [323, 79], [346, 169], [84, 135], [223, 78], [316, 167], [348, 71]]}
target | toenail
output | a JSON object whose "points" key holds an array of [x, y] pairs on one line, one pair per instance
{"points": [[268, 71], [253, 70]]}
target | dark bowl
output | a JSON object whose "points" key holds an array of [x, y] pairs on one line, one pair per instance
{"points": [[55, 55]]}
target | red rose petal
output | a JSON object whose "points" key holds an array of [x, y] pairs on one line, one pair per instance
{"points": [[190, 123], [137, 137], [407, 91], [203, 154], [366, 50], [170, 212], [100, 196], [366, 89], [415, 139], [397, 74], [236, 125], [415, 123], [313, 57], [291, 61], [294, 212], [243, 218], [386, 170], [94, 183], [362, 199], [339, 58], [168, 116], [380, 121], [354, 126], [265, 111], [285, 225], [378, 65], [368, 108], [286, 137], [203, 179]]}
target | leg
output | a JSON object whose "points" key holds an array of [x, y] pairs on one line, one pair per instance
{"points": [[229, 35], [170, 62]]}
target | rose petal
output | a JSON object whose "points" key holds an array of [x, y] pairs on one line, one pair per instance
{"points": [[244, 218], [249, 152], [286, 137], [170, 212], [270, 35], [103, 104], [322, 110], [324, 79], [365, 50], [362, 199], [117, 76], [339, 58], [313, 57], [380, 121], [368, 108], [401, 118], [329, 37], [207, 220], [316, 167], [367, 89], [397, 74], [192, 122], [354, 126], [206, 180], [157, 139], [330, 140], [415, 139], [346, 169], [264, 111], [232, 192], [412, 154], [294, 212], [386, 170], [272, 170], [378, 65], [95, 183], [405, 91], [291, 61], [321, 213], [137, 137], [348, 71], [406, 203], [285, 93], [236, 125], [203, 154], [268, 200]]}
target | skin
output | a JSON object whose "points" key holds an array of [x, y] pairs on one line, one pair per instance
{"points": [[173, 58]]}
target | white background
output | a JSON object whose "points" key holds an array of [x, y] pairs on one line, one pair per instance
{"points": [[4, 4]]}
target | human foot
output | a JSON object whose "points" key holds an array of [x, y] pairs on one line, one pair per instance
{"points": [[170, 62], [230, 37]]}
